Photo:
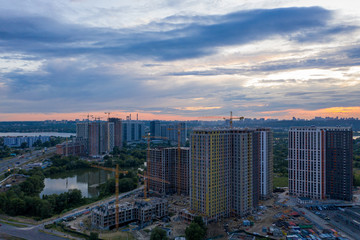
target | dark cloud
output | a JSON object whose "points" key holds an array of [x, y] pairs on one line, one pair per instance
{"points": [[354, 53], [335, 59], [67, 84], [82, 67], [48, 37]]}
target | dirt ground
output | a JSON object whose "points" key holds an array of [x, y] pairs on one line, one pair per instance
{"points": [[263, 218]]}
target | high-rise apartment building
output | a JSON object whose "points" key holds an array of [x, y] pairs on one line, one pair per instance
{"points": [[241, 153], [163, 164], [117, 131], [169, 130], [98, 137], [132, 131], [225, 177], [101, 138], [155, 128], [320, 162], [172, 132]]}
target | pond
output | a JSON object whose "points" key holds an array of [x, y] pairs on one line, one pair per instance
{"points": [[86, 180]]}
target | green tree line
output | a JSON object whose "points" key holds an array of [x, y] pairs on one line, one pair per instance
{"points": [[62, 164], [23, 199]]}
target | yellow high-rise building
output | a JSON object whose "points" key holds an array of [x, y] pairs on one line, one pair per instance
{"points": [[209, 173], [221, 172]]}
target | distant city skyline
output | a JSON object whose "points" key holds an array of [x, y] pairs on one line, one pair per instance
{"points": [[179, 60], [337, 112]]}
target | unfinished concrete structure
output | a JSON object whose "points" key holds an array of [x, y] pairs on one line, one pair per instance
{"points": [[163, 164], [142, 212], [71, 149]]}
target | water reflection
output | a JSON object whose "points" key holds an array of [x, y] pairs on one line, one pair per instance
{"points": [[86, 181]]}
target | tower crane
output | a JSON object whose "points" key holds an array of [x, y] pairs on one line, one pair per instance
{"points": [[178, 156], [146, 182], [231, 119], [108, 113], [117, 171]]}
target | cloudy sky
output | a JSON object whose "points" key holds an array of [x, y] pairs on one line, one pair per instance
{"points": [[170, 59]]}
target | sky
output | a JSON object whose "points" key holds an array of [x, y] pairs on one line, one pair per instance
{"points": [[167, 59]]}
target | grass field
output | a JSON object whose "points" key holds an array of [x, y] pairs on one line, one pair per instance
{"points": [[117, 236], [13, 224], [9, 237], [280, 181]]}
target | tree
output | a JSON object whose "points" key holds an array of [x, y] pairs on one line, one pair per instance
{"points": [[200, 222], [94, 236], [74, 196], [24, 145], [33, 185], [108, 162], [16, 206], [37, 143], [158, 234], [194, 232]]}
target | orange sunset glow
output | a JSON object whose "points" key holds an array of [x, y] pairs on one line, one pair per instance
{"points": [[341, 112]]}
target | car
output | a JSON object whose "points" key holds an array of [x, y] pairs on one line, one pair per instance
{"points": [[0, 225]]}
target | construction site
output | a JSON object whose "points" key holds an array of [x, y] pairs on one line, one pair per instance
{"points": [[273, 219], [139, 211]]}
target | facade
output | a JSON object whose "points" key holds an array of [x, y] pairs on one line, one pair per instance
{"points": [[101, 138], [339, 152], [320, 162], [155, 128], [266, 162], [169, 130], [256, 167], [97, 137], [132, 131], [142, 212], [163, 164], [241, 172], [117, 131], [82, 130], [71, 149], [225, 173], [217, 185]]}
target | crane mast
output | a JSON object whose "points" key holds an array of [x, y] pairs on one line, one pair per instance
{"points": [[117, 172]]}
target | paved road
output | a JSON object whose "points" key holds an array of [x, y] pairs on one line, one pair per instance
{"points": [[28, 232], [22, 159]]}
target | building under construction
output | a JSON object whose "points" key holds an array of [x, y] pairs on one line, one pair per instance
{"points": [[141, 212], [230, 170], [71, 148], [163, 164]]}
